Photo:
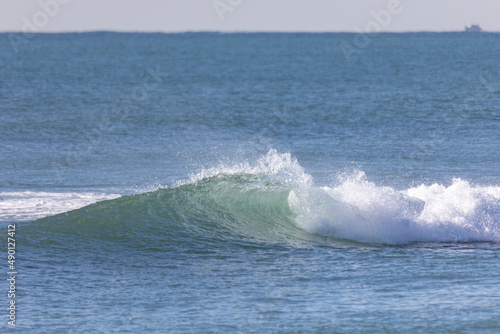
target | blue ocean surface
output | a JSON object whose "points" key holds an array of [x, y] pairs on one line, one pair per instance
{"points": [[251, 183]]}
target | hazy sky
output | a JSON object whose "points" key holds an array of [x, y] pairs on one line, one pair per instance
{"points": [[248, 15]]}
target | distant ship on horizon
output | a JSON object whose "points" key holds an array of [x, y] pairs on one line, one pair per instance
{"points": [[473, 28]]}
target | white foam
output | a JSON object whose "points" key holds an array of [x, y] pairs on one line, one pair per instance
{"points": [[28, 205], [360, 210]]}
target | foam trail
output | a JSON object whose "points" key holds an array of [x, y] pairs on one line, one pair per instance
{"points": [[29, 205]]}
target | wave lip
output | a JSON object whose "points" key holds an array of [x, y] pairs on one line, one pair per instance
{"points": [[278, 167]]}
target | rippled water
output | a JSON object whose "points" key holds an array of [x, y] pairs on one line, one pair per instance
{"points": [[252, 182]]}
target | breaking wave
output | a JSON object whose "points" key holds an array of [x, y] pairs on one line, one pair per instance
{"points": [[275, 200]]}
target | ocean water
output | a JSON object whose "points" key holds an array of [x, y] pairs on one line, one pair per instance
{"points": [[251, 183]]}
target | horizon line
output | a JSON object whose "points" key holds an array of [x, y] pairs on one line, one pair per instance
{"points": [[240, 32]]}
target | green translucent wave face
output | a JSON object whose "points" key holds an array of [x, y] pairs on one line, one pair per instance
{"points": [[241, 209]]}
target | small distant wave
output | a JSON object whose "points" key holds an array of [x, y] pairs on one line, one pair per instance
{"points": [[29, 205], [274, 200]]}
